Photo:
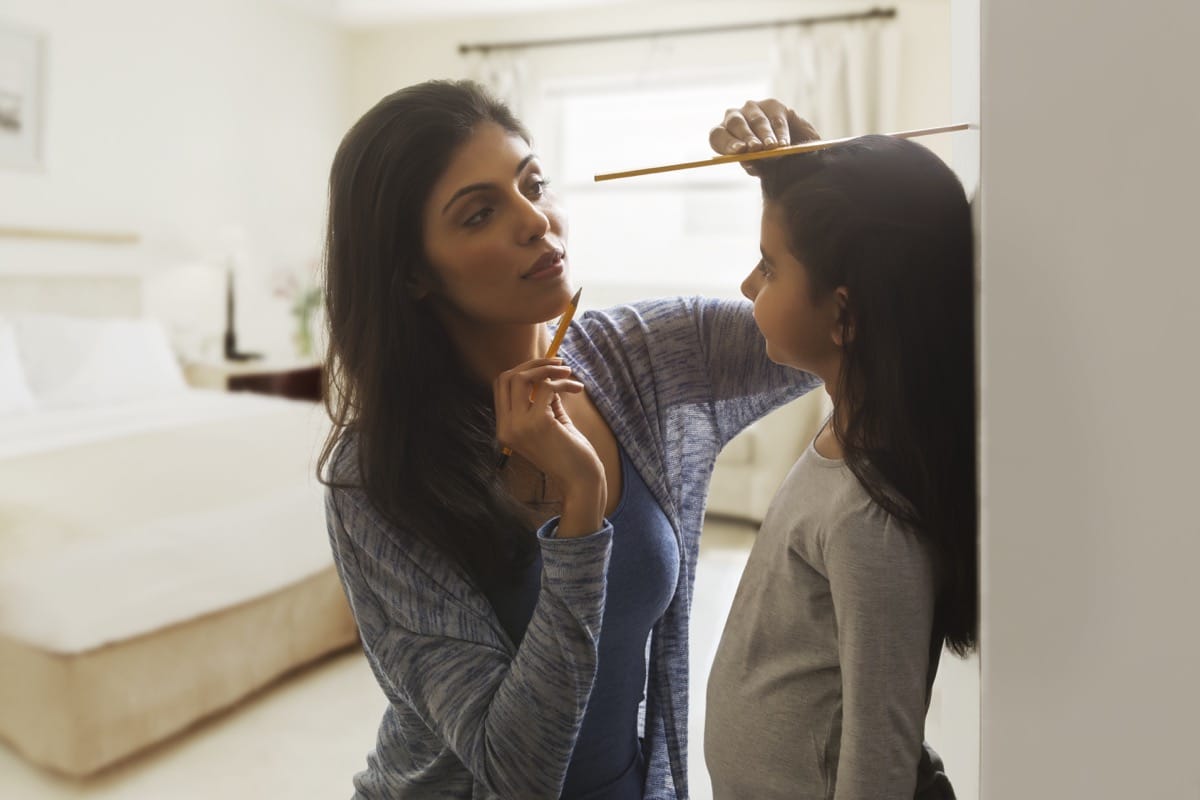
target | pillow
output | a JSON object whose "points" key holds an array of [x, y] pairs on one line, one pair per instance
{"points": [[73, 361], [15, 395]]}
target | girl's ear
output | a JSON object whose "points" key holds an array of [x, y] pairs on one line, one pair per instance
{"points": [[843, 324]]}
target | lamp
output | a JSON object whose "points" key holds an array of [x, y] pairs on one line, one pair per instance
{"points": [[232, 243]]}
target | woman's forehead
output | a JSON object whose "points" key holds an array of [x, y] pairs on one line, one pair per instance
{"points": [[490, 154]]}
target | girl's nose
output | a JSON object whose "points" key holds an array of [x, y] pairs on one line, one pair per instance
{"points": [[750, 286]]}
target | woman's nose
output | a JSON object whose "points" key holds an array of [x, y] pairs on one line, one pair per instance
{"points": [[535, 223]]}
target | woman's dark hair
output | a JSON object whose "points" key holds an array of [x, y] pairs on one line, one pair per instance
{"points": [[888, 220], [424, 430]]}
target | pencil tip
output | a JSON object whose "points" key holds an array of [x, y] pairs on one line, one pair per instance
{"points": [[575, 299]]}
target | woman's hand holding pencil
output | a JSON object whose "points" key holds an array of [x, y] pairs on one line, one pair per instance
{"points": [[551, 352], [535, 424]]}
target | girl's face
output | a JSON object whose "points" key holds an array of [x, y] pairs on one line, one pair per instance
{"points": [[801, 332], [494, 236]]}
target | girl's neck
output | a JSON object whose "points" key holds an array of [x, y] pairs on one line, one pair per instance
{"points": [[827, 443]]}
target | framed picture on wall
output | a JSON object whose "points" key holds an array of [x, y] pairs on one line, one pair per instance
{"points": [[22, 97]]}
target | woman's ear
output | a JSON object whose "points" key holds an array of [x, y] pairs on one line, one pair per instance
{"points": [[843, 323], [417, 286]]}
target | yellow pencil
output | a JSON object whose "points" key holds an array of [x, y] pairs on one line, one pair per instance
{"points": [[551, 352]]}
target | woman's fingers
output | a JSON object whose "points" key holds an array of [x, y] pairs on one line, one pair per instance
{"points": [[759, 125], [522, 394], [526, 384], [800, 129], [565, 386], [505, 395], [526, 373], [764, 128], [776, 114], [724, 142], [739, 135]]}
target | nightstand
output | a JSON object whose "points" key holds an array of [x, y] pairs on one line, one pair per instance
{"points": [[296, 380]]}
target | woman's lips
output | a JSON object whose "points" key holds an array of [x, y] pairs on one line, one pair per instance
{"points": [[549, 265]]}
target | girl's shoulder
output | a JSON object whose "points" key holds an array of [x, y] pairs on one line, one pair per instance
{"points": [[862, 533], [831, 514]]}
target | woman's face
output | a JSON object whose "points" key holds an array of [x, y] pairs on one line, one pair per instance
{"points": [[801, 331], [494, 236]]}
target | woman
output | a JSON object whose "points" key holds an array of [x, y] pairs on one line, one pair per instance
{"points": [[514, 615]]}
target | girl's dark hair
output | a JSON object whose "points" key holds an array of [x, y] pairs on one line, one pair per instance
{"points": [[424, 430], [888, 220]]}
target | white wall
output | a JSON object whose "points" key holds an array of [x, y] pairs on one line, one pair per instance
{"points": [[173, 121], [1091, 650], [387, 58]]}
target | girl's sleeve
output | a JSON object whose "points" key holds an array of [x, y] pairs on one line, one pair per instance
{"points": [[882, 582], [512, 721]]}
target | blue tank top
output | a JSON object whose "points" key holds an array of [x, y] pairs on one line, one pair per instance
{"points": [[642, 572]]}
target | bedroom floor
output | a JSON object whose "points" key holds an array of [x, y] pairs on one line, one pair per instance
{"points": [[307, 735]]}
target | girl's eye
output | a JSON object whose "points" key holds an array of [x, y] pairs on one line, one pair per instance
{"points": [[762, 267], [538, 187]]}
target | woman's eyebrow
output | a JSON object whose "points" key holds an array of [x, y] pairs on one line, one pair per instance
{"points": [[479, 187]]}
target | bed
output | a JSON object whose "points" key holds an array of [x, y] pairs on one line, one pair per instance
{"points": [[162, 548]]}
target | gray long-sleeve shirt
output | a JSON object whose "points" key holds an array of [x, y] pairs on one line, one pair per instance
{"points": [[821, 682]]}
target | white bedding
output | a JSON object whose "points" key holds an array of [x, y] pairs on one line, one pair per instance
{"points": [[162, 549], [37, 431], [118, 521]]}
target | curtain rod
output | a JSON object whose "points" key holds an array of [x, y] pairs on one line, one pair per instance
{"points": [[64, 235], [484, 47]]}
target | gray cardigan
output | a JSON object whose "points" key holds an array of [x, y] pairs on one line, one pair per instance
{"points": [[470, 715]]}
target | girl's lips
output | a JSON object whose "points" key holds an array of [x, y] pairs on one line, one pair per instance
{"points": [[547, 266]]}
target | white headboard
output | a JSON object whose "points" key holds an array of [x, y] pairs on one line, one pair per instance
{"points": [[63, 271], [80, 295]]}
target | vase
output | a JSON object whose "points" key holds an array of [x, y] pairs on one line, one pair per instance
{"points": [[302, 338]]}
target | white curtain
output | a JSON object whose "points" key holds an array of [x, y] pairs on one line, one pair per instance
{"points": [[841, 77], [510, 75]]}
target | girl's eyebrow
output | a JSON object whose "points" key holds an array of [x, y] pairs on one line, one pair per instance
{"points": [[479, 187]]}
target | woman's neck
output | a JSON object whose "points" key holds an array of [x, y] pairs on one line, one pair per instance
{"points": [[488, 350]]}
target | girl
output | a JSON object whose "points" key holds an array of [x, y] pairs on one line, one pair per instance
{"points": [[866, 560], [514, 615]]}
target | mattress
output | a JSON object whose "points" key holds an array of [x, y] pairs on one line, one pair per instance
{"points": [[158, 562]]}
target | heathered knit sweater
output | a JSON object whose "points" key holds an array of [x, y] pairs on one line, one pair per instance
{"points": [[471, 716]]}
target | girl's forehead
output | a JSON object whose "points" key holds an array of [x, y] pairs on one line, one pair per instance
{"points": [[774, 222]]}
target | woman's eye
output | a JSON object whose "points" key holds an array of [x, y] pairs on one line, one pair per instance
{"points": [[478, 217], [763, 268], [538, 187]]}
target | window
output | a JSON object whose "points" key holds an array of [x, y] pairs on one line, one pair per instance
{"points": [[686, 232]]}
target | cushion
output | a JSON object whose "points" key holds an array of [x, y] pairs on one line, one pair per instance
{"points": [[15, 395], [73, 361]]}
